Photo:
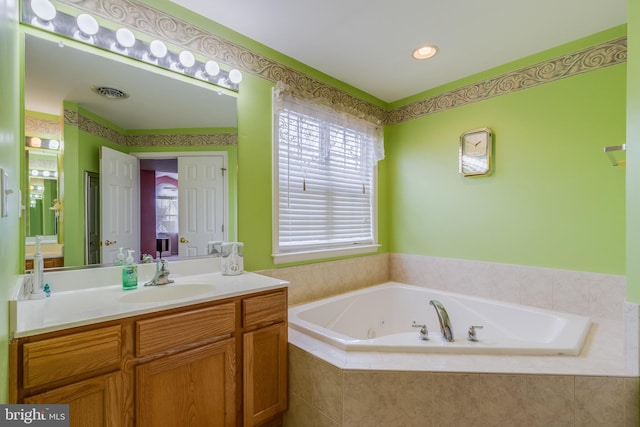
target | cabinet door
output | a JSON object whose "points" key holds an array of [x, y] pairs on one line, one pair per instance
{"points": [[265, 373], [192, 388], [94, 402]]}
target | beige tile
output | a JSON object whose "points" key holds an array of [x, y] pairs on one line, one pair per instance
{"points": [[327, 389], [600, 401], [631, 402], [499, 398], [505, 283], [606, 296], [454, 398], [550, 401], [321, 420], [536, 287], [386, 399], [300, 378], [571, 292], [299, 414]]}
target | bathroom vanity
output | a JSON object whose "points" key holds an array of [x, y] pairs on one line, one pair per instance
{"points": [[218, 357]]}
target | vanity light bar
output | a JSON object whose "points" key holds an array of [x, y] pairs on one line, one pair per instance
{"points": [[46, 174], [35, 142], [84, 28]]}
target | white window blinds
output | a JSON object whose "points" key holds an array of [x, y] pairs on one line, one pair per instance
{"points": [[325, 177]]}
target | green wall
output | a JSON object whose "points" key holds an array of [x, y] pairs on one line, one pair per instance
{"points": [[633, 152], [81, 153], [10, 151], [553, 199]]}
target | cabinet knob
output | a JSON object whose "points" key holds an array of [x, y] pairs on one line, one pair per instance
{"points": [[109, 242], [183, 240]]}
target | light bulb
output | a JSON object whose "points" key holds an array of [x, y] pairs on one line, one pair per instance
{"points": [[54, 144], [235, 76], [211, 69], [158, 49], [87, 27], [125, 38], [186, 59], [34, 172], [35, 142], [45, 12]]}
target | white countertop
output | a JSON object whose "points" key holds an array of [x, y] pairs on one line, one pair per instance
{"points": [[71, 304]]}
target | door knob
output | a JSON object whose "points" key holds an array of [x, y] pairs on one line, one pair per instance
{"points": [[109, 242], [183, 240]]}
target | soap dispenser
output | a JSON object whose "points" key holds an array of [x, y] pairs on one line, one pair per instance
{"points": [[231, 261], [129, 273], [37, 291], [120, 260]]}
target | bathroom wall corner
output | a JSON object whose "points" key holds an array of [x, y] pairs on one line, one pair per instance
{"points": [[320, 280], [631, 314]]}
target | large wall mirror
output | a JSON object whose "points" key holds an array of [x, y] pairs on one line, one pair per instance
{"points": [[112, 103]]}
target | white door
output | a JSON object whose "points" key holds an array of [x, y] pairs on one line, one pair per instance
{"points": [[200, 203], [120, 204]]}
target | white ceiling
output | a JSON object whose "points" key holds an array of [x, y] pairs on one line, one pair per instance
{"points": [[368, 43], [54, 74]]}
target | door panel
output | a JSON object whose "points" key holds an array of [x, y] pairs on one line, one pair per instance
{"points": [[201, 203], [119, 199]]}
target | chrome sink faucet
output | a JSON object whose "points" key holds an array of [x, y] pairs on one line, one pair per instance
{"points": [[443, 318], [162, 274]]}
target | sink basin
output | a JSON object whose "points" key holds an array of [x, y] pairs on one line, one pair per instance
{"points": [[165, 293]]}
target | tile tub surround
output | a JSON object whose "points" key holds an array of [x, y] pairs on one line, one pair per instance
{"points": [[322, 394], [590, 294], [552, 390], [315, 281]]}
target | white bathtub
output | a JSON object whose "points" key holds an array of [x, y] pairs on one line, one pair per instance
{"points": [[380, 318]]}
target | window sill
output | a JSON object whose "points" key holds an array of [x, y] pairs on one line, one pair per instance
{"points": [[324, 253]]}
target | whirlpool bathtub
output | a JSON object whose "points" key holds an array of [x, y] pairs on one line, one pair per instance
{"points": [[384, 318]]}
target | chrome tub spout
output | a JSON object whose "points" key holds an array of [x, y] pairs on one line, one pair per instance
{"points": [[443, 318]]}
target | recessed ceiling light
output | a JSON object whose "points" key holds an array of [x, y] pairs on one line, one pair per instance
{"points": [[425, 52]]}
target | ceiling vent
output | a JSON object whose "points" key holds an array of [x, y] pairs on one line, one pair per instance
{"points": [[110, 92]]}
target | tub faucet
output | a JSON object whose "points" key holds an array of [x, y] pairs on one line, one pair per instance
{"points": [[162, 274], [443, 318]]}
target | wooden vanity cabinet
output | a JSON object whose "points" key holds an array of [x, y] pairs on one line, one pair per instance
{"points": [[265, 359], [92, 402], [46, 262], [195, 387], [222, 363]]}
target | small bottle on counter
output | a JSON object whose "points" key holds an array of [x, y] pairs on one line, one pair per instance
{"points": [[129, 273]]}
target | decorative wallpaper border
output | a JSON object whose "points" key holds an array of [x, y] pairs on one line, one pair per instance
{"points": [[85, 124], [589, 59], [156, 23], [40, 126]]}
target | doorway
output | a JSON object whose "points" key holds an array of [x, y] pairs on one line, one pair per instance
{"points": [[159, 207], [92, 218]]}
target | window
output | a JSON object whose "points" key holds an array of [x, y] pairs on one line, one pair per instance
{"points": [[325, 181]]}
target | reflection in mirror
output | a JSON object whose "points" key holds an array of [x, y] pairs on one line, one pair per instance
{"points": [[164, 114], [44, 207]]}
